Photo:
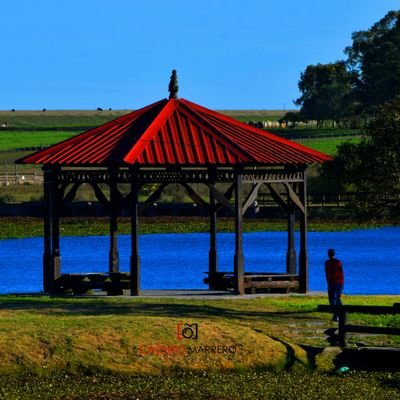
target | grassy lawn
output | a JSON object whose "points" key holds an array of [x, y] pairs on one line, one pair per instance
{"points": [[327, 145], [115, 348], [312, 131]]}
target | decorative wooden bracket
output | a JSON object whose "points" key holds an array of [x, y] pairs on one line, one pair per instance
{"points": [[194, 196], [251, 197], [273, 188], [152, 198], [70, 195], [99, 194], [221, 198], [292, 195]]}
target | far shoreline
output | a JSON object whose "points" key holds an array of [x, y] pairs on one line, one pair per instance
{"points": [[28, 227]]}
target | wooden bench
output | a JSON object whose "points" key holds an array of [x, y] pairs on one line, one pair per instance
{"points": [[344, 327], [113, 283], [254, 281]]}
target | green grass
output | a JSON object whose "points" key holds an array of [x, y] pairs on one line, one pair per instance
{"points": [[22, 227], [254, 115], [312, 131], [11, 140], [116, 335], [327, 145], [92, 348], [51, 119], [88, 118]]}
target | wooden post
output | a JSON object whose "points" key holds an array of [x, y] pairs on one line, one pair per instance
{"points": [[342, 327], [239, 258], [303, 256], [113, 258], [48, 227], [135, 259], [56, 256], [291, 252], [51, 254], [212, 255]]}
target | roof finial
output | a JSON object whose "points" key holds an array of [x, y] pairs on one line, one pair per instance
{"points": [[173, 85]]}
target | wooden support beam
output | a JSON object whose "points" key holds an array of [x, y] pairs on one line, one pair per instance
{"points": [[301, 205], [212, 255], [48, 229], [194, 196], [342, 327], [51, 254], [291, 251], [228, 195], [152, 198], [303, 256], [273, 188], [251, 197], [113, 255], [61, 191], [239, 257], [99, 194], [56, 255], [221, 197], [71, 194], [135, 258]]}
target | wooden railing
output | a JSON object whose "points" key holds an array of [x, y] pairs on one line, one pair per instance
{"points": [[333, 200], [344, 327]]}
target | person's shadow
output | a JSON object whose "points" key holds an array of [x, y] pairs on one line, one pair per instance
{"points": [[332, 337]]}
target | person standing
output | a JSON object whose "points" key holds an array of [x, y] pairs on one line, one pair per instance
{"points": [[335, 280]]}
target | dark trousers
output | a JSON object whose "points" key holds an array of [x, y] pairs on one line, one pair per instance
{"points": [[334, 292]]}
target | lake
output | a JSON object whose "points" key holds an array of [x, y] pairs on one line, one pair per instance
{"points": [[178, 261]]}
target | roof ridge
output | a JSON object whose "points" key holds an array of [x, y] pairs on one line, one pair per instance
{"points": [[151, 131]]}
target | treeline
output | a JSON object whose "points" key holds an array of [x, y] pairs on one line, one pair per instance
{"points": [[349, 91], [362, 91]]}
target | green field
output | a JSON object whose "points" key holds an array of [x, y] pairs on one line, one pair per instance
{"points": [[13, 140], [327, 145], [29, 129], [62, 119]]}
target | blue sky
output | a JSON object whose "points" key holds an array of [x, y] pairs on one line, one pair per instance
{"points": [[84, 54]]}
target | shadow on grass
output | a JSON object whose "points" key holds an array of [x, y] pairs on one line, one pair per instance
{"points": [[369, 359], [143, 307]]}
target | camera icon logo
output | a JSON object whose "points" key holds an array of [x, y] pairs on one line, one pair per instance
{"points": [[187, 331]]}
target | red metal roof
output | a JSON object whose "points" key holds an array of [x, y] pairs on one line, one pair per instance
{"points": [[175, 132]]}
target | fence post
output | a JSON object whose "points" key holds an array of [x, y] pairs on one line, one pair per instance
{"points": [[342, 327]]}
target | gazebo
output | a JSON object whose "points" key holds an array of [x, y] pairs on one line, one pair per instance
{"points": [[176, 141]]}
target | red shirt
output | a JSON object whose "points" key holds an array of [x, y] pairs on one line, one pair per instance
{"points": [[334, 271]]}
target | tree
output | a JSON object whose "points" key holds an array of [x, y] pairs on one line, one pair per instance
{"points": [[373, 165], [326, 92], [375, 57]]}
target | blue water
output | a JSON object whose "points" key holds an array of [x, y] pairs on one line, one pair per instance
{"points": [[178, 261]]}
